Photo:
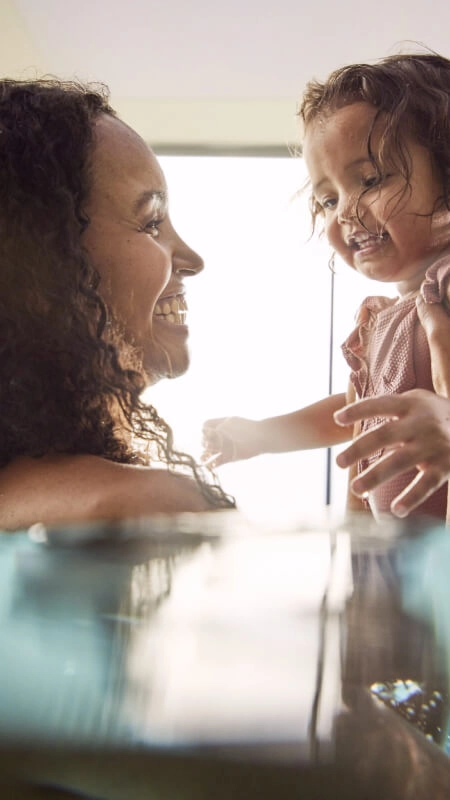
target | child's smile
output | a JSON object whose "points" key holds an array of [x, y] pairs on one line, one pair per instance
{"points": [[380, 226], [365, 244]]}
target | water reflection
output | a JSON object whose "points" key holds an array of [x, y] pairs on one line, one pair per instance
{"points": [[324, 649], [396, 668], [67, 615]]}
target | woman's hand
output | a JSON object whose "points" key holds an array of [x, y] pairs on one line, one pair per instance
{"points": [[416, 430], [415, 433]]}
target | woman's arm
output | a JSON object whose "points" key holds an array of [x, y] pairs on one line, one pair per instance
{"points": [[80, 488], [436, 322], [236, 438]]}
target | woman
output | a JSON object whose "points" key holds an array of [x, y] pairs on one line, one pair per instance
{"points": [[92, 312]]}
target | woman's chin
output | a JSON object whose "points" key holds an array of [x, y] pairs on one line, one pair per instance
{"points": [[166, 362]]}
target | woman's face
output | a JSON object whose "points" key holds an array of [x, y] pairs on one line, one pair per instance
{"points": [[141, 260]]}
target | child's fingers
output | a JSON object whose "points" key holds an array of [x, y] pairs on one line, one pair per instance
{"points": [[218, 447], [210, 428], [212, 460], [212, 437]]}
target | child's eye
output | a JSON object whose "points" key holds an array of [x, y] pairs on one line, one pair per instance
{"points": [[328, 202], [371, 180]]}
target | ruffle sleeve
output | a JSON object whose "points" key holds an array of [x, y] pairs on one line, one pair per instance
{"points": [[355, 347]]}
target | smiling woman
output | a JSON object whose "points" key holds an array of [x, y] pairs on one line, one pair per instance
{"points": [[92, 312], [141, 260]]}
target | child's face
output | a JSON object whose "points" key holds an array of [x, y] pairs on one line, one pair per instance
{"points": [[383, 234]]}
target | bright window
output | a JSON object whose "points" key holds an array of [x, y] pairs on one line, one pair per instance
{"points": [[259, 318]]}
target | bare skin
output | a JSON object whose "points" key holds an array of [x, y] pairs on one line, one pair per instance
{"points": [[82, 488], [228, 439], [143, 265], [417, 429], [236, 438]]}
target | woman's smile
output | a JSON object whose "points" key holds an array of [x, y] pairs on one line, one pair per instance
{"points": [[140, 257], [172, 309]]}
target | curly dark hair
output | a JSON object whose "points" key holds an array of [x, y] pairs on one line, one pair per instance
{"points": [[411, 95], [68, 382]]}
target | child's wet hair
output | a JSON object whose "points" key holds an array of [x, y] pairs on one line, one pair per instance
{"points": [[411, 95]]}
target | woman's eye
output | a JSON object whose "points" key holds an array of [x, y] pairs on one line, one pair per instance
{"points": [[152, 228]]}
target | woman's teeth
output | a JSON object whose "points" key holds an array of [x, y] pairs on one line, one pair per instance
{"points": [[172, 310]]}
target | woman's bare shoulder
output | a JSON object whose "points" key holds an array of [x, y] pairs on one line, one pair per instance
{"points": [[79, 488]]}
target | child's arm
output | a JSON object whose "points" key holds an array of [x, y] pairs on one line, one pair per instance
{"points": [[235, 438]]}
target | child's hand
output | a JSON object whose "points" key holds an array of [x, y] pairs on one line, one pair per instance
{"points": [[230, 439], [416, 433]]}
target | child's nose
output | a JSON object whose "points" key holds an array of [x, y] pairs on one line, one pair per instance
{"points": [[347, 209]]}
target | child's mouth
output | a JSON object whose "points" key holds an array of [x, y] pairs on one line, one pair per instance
{"points": [[365, 241]]}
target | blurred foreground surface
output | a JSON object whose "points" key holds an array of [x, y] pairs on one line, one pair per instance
{"points": [[202, 657]]}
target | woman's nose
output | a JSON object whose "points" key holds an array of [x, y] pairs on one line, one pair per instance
{"points": [[186, 261]]}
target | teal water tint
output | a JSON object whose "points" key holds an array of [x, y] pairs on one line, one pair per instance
{"points": [[423, 566], [323, 652]]}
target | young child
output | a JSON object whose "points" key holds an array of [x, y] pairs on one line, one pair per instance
{"points": [[376, 142]]}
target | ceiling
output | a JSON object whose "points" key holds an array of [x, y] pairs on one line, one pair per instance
{"points": [[202, 74]]}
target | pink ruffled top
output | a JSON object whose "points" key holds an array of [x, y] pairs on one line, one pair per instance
{"points": [[388, 353]]}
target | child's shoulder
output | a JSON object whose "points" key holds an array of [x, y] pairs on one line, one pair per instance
{"points": [[371, 306], [436, 284]]}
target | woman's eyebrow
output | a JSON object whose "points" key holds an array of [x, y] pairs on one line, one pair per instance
{"points": [[150, 197]]}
